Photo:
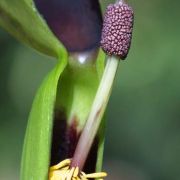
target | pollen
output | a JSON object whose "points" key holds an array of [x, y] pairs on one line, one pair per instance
{"points": [[63, 171], [117, 29]]}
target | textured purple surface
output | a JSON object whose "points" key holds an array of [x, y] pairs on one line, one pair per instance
{"points": [[77, 23], [117, 29]]}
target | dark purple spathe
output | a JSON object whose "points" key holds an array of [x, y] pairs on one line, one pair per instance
{"points": [[117, 29], [76, 23]]}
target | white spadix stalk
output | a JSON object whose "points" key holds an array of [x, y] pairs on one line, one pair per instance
{"points": [[96, 113]]}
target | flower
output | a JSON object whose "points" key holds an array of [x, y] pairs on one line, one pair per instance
{"points": [[55, 27]]}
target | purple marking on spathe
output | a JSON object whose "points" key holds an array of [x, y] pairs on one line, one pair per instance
{"points": [[64, 140]]}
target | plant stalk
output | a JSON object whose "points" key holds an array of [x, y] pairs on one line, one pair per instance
{"points": [[94, 119]]}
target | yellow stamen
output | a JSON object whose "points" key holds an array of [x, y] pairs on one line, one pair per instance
{"points": [[62, 164], [70, 174], [83, 178], [63, 171], [96, 175], [76, 172]]}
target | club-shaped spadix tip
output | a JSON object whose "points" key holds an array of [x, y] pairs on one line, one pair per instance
{"points": [[117, 29]]}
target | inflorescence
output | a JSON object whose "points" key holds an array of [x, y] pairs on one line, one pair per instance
{"points": [[117, 29]]}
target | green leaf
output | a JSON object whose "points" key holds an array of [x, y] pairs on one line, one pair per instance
{"points": [[21, 19], [100, 153], [37, 146]]}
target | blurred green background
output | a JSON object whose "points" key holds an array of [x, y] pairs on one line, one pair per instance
{"points": [[143, 129]]}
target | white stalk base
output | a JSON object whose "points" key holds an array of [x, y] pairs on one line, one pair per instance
{"points": [[98, 108]]}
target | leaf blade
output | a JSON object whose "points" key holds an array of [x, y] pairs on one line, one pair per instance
{"points": [[21, 19], [36, 152]]}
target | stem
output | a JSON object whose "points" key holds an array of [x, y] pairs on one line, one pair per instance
{"points": [[120, 1], [94, 119]]}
